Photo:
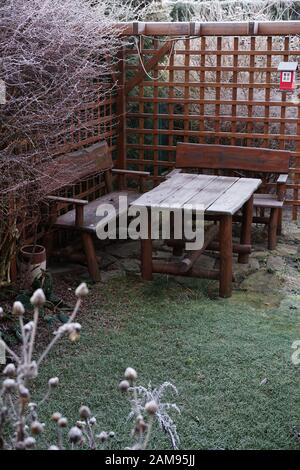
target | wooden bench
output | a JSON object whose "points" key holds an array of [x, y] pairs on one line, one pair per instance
{"points": [[237, 160], [82, 217]]}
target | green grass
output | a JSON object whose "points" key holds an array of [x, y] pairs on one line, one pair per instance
{"points": [[215, 351]]}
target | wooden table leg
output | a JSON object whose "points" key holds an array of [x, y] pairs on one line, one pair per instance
{"points": [[246, 229], [91, 257], [272, 229], [146, 253], [225, 289]]}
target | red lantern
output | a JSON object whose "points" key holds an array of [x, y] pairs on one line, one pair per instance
{"points": [[287, 75]]}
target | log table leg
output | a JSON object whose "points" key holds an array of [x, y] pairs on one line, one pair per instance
{"points": [[246, 229], [146, 254], [225, 289], [91, 257], [272, 229]]}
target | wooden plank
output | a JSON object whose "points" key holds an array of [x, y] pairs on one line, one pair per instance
{"points": [[213, 68], [223, 134], [186, 124], [121, 112], [90, 219], [220, 84], [235, 53], [251, 92], [231, 157], [182, 100], [213, 191], [234, 197], [267, 201], [268, 93], [224, 117], [155, 113], [242, 52], [158, 194], [218, 90], [202, 74], [187, 192], [274, 28]]}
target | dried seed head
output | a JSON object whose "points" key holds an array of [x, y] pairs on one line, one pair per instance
{"points": [[82, 290], [32, 406], [10, 371], [84, 412], [33, 369], [29, 442], [102, 437], [62, 422], [1, 313], [18, 308], [124, 385], [93, 421], [24, 392], [37, 427], [74, 336], [77, 327], [130, 374], [9, 385], [151, 407], [53, 382], [20, 445], [56, 416], [28, 327], [75, 435], [81, 424], [53, 448], [111, 434], [140, 426], [38, 298]]}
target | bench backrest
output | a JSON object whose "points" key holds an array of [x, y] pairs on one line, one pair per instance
{"points": [[86, 162], [68, 169], [227, 157]]}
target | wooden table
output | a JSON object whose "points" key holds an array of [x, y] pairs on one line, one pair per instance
{"points": [[222, 197]]}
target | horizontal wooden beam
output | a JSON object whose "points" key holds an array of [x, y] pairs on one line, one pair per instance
{"points": [[264, 28]]}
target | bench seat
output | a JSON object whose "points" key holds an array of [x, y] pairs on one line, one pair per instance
{"points": [[80, 214], [241, 161], [267, 201], [67, 220]]}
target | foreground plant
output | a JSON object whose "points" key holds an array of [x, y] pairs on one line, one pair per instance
{"points": [[20, 426]]}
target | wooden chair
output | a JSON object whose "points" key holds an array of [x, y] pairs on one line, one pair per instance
{"points": [[82, 218], [237, 160]]}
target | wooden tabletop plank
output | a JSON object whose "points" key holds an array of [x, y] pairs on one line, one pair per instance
{"points": [[217, 194], [212, 191], [234, 197], [159, 193], [187, 191]]}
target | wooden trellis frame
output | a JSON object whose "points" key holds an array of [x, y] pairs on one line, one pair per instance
{"points": [[220, 86]]}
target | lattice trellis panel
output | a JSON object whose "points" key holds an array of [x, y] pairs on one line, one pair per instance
{"points": [[211, 90]]}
